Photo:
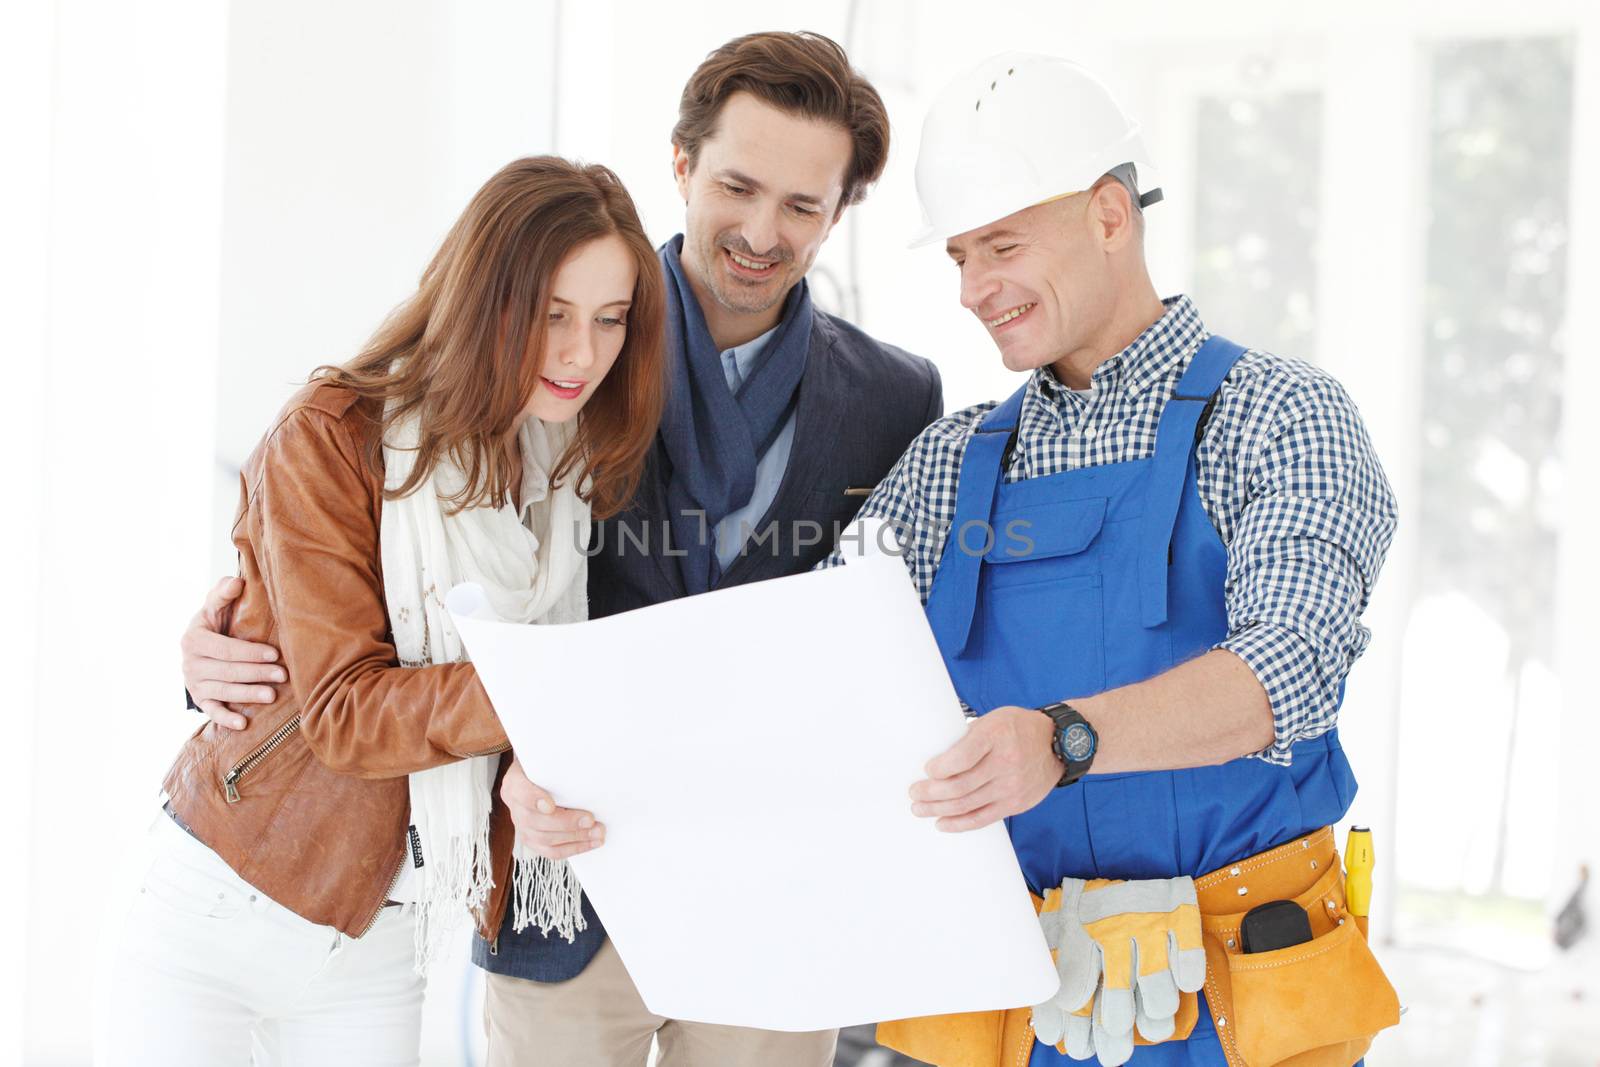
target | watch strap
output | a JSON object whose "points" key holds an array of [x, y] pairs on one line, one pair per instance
{"points": [[1067, 719]]}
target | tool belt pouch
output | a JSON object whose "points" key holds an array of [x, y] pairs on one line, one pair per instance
{"points": [[993, 1038], [966, 1039], [1317, 1004], [996, 1038]]}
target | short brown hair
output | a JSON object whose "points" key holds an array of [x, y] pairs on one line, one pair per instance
{"points": [[454, 353], [801, 73]]}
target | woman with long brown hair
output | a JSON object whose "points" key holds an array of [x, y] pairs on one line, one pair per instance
{"points": [[311, 861]]}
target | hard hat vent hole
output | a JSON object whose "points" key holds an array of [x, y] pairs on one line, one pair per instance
{"points": [[994, 83], [1010, 72], [978, 106]]}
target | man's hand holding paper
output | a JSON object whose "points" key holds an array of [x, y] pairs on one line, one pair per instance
{"points": [[546, 828]]}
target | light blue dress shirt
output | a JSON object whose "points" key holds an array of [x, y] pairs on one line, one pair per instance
{"points": [[738, 364]]}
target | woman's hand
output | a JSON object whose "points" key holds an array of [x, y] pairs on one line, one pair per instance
{"points": [[550, 831]]}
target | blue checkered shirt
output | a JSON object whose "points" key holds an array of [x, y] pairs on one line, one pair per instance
{"points": [[1286, 474]]}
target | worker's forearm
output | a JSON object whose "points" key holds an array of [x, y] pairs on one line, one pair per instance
{"points": [[1209, 710]]}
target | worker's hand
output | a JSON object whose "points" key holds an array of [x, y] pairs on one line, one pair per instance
{"points": [[550, 831], [1002, 767], [218, 668]]}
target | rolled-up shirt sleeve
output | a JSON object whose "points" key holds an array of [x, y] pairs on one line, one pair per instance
{"points": [[1304, 556]]}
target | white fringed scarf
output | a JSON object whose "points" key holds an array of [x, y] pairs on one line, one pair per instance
{"points": [[532, 571]]}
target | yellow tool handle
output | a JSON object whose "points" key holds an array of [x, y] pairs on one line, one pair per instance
{"points": [[1358, 870]]}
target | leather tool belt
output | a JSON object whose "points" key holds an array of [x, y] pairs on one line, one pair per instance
{"points": [[1316, 1004]]}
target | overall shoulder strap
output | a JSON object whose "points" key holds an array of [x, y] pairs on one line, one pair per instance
{"points": [[954, 596], [1176, 438], [1005, 415]]}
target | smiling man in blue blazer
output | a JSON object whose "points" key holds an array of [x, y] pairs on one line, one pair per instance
{"points": [[780, 417]]}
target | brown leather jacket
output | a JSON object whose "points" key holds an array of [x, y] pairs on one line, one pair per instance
{"points": [[309, 802]]}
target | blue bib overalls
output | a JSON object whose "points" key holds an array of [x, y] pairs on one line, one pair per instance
{"points": [[1068, 585]]}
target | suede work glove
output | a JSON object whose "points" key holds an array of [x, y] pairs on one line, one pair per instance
{"points": [[1124, 951]]}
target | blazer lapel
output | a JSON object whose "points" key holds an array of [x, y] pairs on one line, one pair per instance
{"points": [[641, 529], [819, 409], [657, 527]]}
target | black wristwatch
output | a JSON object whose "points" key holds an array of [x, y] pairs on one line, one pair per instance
{"points": [[1074, 742]]}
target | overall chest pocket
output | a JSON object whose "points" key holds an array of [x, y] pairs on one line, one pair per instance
{"points": [[1043, 617]]}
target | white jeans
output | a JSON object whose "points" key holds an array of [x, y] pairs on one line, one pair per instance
{"points": [[210, 971]]}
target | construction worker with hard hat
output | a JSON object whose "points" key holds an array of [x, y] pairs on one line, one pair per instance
{"points": [[1146, 570]]}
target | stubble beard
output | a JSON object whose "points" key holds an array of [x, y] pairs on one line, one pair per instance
{"points": [[754, 302]]}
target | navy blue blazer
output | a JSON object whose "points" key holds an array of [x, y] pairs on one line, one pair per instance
{"points": [[860, 404]]}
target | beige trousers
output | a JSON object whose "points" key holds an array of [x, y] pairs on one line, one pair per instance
{"points": [[598, 1020]]}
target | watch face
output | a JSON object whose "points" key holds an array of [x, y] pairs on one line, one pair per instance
{"points": [[1077, 741]]}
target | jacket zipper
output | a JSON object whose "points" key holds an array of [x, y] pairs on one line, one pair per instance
{"points": [[384, 900], [230, 781], [230, 785]]}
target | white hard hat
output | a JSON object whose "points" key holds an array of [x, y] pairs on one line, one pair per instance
{"points": [[1014, 131]]}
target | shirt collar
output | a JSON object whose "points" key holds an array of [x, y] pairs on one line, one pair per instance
{"points": [[746, 355], [1163, 346]]}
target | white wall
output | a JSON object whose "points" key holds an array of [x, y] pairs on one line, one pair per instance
{"points": [[129, 200], [357, 132], [26, 54], [1578, 625]]}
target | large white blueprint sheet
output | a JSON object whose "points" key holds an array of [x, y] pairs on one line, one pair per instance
{"points": [[749, 751]]}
